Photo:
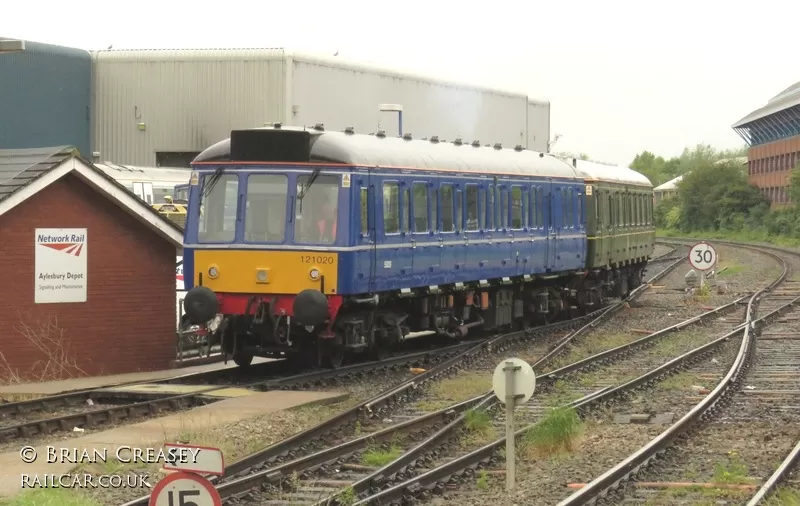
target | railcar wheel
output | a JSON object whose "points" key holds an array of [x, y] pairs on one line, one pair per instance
{"points": [[331, 355], [242, 359]]}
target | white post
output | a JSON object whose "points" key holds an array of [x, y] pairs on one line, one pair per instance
{"points": [[511, 400]]}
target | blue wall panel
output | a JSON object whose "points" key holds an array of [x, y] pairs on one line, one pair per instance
{"points": [[45, 98]]}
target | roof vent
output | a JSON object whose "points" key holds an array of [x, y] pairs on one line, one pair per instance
{"points": [[476, 144], [541, 155], [458, 142], [488, 145], [498, 145], [349, 130], [380, 133], [320, 127], [277, 124], [519, 147], [435, 139], [424, 138], [371, 133], [407, 137]]}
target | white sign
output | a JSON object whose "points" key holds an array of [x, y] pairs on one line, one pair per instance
{"points": [[702, 256], [524, 380], [194, 459], [60, 265], [185, 489], [179, 285]]}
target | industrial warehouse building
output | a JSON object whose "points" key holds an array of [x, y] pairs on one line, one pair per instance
{"points": [[70, 309], [773, 134], [163, 107]]}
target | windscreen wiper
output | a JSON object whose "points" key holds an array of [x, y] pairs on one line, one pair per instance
{"points": [[303, 192], [207, 189]]}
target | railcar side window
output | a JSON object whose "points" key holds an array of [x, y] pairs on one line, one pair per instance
{"points": [[391, 208], [482, 211], [447, 208], [218, 209], [491, 208], [525, 211], [265, 219], [533, 207], [539, 207], [420, 207], [563, 194], [580, 209], [435, 210], [505, 209], [364, 211], [472, 208], [516, 207], [406, 225], [498, 214], [459, 211], [570, 208], [316, 212]]}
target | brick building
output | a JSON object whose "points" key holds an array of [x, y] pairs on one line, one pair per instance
{"points": [[773, 134], [70, 309]]}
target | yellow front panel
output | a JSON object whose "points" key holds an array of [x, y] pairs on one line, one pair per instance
{"points": [[287, 272]]}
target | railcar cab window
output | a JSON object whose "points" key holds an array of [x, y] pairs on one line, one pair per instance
{"points": [[218, 206], [317, 211], [265, 219]]}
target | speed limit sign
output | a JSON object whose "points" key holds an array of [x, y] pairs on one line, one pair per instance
{"points": [[185, 489], [702, 256]]}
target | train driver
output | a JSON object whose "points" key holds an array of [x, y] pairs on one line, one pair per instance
{"points": [[326, 220]]}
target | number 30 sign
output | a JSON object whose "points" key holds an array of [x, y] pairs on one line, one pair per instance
{"points": [[702, 256]]}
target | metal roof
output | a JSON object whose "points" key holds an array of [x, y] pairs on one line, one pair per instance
{"points": [[789, 97], [672, 184], [611, 173], [243, 54], [20, 167], [393, 152], [152, 174]]}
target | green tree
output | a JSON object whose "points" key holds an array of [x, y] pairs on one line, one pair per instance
{"points": [[793, 189]]}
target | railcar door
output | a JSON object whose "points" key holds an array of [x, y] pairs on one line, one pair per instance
{"points": [[367, 243], [551, 215]]}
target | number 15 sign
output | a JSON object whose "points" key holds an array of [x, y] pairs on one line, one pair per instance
{"points": [[702, 256]]}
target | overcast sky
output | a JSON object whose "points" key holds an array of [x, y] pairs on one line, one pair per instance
{"points": [[621, 76]]}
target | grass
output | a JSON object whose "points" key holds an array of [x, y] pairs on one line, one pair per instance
{"points": [[743, 236], [556, 433], [676, 344], [784, 497], [51, 497], [479, 428], [592, 347], [733, 471], [456, 389], [562, 394], [346, 497], [680, 381], [379, 457]]}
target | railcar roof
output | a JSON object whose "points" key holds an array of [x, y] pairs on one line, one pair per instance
{"points": [[153, 174], [611, 173], [394, 152]]}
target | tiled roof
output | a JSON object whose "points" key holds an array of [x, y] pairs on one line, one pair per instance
{"points": [[20, 167]]}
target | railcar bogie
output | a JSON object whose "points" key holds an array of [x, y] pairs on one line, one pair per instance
{"points": [[416, 237]]}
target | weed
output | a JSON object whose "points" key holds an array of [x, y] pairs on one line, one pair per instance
{"points": [[357, 429], [51, 497], [379, 457], [346, 497], [477, 421], [679, 381], [554, 433], [784, 497], [732, 471], [591, 347], [483, 480], [459, 388]]}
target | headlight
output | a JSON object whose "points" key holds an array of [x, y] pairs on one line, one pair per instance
{"points": [[261, 275], [213, 272], [313, 274]]}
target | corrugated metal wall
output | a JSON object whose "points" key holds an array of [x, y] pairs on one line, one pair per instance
{"points": [[350, 95], [45, 98], [186, 100], [538, 125]]}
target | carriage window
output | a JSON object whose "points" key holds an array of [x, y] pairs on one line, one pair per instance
{"points": [[420, 207], [539, 207], [597, 209], [499, 210], [491, 207], [406, 225], [265, 218], [482, 211], [505, 209], [316, 212], [391, 208], [563, 207], [580, 209], [459, 211], [533, 207], [447, 208], [435, 210], [218, 209], [364, 212], [472, 208], [525, 211], [516, 207], [570, 208]]}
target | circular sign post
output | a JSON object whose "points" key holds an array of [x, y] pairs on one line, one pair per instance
{"points": [[513, 383], [702, 257], [185, 489]]}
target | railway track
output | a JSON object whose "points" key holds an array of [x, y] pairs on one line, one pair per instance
{"points": [[736, 434], [290, 455]]}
